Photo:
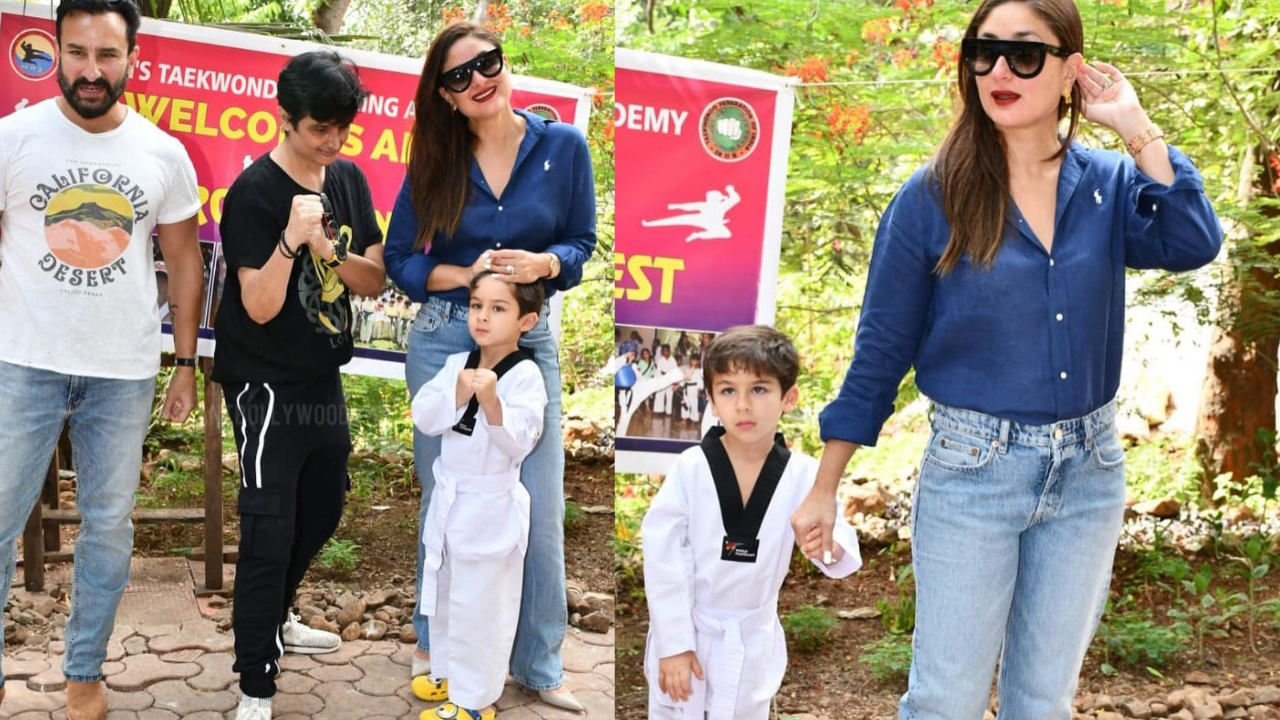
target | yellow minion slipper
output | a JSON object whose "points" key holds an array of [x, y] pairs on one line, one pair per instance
{"points": [[449, 711], [428, 688]]}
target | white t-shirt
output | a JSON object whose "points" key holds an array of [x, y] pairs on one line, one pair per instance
{"points": [[77, 279]]}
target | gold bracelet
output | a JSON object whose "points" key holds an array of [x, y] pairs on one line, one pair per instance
{"points": [[1143, 139]]}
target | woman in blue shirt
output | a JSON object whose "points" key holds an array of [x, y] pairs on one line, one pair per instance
{"points": [[492, 187], [998, 273]]}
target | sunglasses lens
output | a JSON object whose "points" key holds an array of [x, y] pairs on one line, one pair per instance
{"points": [[490, 63], [980, 58], [1026, 61], [457, 80]]}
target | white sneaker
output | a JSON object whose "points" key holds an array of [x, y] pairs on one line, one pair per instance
{"points": [[254, 708], [299, 638]]}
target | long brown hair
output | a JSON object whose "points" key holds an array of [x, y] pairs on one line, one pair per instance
{"points": [[971, 168], [440, 152]]}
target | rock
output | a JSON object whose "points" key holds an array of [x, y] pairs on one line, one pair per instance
{"points": [[596, 622], [861, 613], [373, 630], [1165, 508], [382, 617], [1235, 713], [579, 430], [574, 596], [868, 498], [1183, 714], [1104, 702], [306, 612], [1159, 709], [1237, 514], [378, 598], [351, 612], [320, 622], [408, 634], [217, 601], [1267, 696], [1263, 712], [43, 606], [1085, 704], [597, 602], [1197, 677], [351, 632], [1237, 699], [1135, 708], [1208, 711], [575, 618], [1108, 715], [1132, 428]]}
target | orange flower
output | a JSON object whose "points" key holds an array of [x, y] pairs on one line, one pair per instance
{"points": [[594, 11], [811, 70], [453, 15], [852, 121], [877, 31], [944, 54], [903, 56], [525, 31]]}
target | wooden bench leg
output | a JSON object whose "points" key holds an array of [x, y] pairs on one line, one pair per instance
{"points": [[34, 539]]}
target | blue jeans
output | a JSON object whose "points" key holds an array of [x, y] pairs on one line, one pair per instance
{"points": [[107, 420], [1014, 532], [440, 330]]}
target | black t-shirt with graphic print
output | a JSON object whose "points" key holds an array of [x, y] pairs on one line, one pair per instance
{"points": [[311, 335]]}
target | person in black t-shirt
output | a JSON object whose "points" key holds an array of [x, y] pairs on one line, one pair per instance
{"points": [[299, 236]]}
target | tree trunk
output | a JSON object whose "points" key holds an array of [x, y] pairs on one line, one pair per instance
{"points": [[1239, 393], [329, 15]]}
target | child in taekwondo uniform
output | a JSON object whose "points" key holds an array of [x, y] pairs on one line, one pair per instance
{"points": [[487, 405], [718, 541]]}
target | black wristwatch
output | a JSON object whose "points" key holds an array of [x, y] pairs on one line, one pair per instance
{"points": [[185, 362], [339, 256]]}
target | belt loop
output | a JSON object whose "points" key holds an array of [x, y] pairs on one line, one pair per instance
{"points": [[932, 409], [1004, 436], [1090, 429]]}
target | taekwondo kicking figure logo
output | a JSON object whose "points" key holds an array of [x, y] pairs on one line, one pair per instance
{"points": [[708, 215]]}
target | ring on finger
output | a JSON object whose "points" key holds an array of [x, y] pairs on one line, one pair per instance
{"points": [[1108, 83], [511, 270]]}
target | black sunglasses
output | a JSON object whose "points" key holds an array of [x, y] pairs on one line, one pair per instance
{"points": [[330, 229], [1024, 57], [458, 79]]}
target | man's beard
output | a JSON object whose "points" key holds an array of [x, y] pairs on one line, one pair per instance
{"points": [[91, 109]]}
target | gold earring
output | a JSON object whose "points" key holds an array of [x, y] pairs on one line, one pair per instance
{"points": [[1066, 95]]}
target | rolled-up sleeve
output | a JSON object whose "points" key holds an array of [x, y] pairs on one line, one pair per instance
{"points": [[407, 268], [899, 291], [577, 243], [1170, 227]]}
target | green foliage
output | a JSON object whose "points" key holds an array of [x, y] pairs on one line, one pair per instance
{"points": [[1256, 557], [630, 501], [899, 617], [1206, 612], [810, 627], [574, 517], [1132, 639], [888, 659], [1164, 467], [1160, 565], [339, 555]]}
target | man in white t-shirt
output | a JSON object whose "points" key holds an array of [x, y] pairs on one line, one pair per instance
{"points": [[84, 181]]}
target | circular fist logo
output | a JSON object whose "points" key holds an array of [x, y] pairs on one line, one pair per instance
{"points": [[730, 129], [32, 54]]}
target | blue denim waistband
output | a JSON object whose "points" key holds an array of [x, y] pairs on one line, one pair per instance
{"points": [[457, 311], [1006, 432]]}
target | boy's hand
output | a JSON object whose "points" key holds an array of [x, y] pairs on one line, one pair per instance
{"points": [[811, 546], [673, 675], [464, 391], [485, 385], [816, 514]]}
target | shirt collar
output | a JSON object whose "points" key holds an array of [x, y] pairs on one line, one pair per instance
{"points": [[534, 128]]}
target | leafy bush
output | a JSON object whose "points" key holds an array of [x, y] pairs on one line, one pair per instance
{"points": [[341, 555], [1132, 639], [888, 659], [809, 627]]}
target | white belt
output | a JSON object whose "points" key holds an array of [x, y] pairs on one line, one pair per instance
{"points": [[724, 679]]}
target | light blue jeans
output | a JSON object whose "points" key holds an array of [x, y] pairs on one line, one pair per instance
{"points": [[440, 330], [108, 423], [1014, 530]]}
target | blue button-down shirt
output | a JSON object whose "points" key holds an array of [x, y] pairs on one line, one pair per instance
{"points": [[1037, 337], [548, 205]]}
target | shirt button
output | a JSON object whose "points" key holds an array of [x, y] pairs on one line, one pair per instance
{"points": [[497, 244], [499, 208], [1050, 262], [1059, 316], [1062, 375]]}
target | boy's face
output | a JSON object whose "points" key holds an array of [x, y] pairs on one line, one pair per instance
{"points": [[494, 318], [750, 405]]}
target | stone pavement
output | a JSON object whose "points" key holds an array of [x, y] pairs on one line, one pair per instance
{"points": [[183, 670]]}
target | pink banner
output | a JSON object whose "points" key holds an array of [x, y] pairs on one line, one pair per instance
{"points": [[693, 160]]}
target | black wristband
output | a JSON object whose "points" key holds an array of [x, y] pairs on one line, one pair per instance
{"points": [[287, 251], [185, 362]]}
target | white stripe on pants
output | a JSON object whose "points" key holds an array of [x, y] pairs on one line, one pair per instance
{"points": [[474, 627]]}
